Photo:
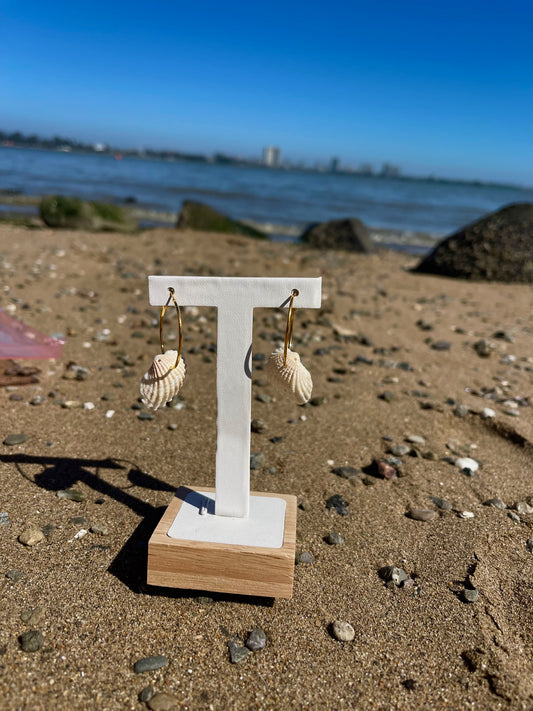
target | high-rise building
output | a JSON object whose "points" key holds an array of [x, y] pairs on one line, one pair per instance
{"points": [[334, 165], [272, 156]]}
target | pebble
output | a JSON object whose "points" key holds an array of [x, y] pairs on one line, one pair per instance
{"points": [[31, 641], [71, 404], [264, 398], [172, 426], [529, 545], [47, 529], [338, 503], [257, 460], [37, 400], [512, 413], [399, 450], [384, 469], [522, 507], [487, 413], [305, 557], [163, 702], [441, 345], [78, 520], [343, 631], [146, 694], [514, 517], [150, 663], [466, 463], [236, 652], [31, 536], [316, 401], [71, 494], [31, 615], [14, 575], [109, 414], [143, 415], [16, 397], [470, 595], [13, 439], [256, 640], [483, 348], [347, 472], [442, 504], [334, 539], [415, 439], [465, 514], [461, 410], [276, 440], [422, 514], [258, 426], [387, 395], [98, 529], [392, 573], [4, 518], [496, 503]]}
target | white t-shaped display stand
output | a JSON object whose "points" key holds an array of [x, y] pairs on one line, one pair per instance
{"points": [[235, 298]]}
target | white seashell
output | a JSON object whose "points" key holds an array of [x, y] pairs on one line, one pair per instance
{"points": [[293, 376], [162, 381]]}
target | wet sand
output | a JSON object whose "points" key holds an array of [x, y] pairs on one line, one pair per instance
{"points": [[420, 646]]}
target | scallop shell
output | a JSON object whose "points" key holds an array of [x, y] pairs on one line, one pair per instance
{"points": [[293, 376], [162, 381]]}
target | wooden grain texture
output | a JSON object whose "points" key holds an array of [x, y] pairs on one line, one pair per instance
{"points": [[220, 567]]}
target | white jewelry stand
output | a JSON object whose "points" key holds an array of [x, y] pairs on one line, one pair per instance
{"points": [[226, 540]]}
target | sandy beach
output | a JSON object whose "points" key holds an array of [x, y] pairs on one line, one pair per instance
{"points": [[394, 361]]}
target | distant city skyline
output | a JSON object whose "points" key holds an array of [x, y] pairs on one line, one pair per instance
{"points": [[433, 88]]}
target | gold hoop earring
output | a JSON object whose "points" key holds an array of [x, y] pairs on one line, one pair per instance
{"points": [[164, 378], [284, 367]]}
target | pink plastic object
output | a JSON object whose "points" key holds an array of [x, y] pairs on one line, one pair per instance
{"points": [[20, 341]]}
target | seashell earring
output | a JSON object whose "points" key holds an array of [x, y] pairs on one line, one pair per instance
{"points": [[166, 374], [284, 367]]}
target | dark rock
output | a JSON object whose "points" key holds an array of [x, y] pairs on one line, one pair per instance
{"points": [[305, 557], [529, 545], [258, 426], [75, 214], [337, 502], [334, 539], [78, 521], [146, 694], [14, 575], [316, 401], [387, 395], [31, 641], [13, 439], [441, 503], [257, 460], [483, 348], [349, 234], [390, 573], [496, 503], [498, 247], [441, 345], [145, 415], [198, 216], [236, 652], [256, 640], [150, 663]]}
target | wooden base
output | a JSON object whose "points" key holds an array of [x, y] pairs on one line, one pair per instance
{"points": [[221, 567]]}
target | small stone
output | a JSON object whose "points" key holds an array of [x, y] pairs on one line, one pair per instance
{"points": [[442, 504], [483, 348], [387, 396], [441, 345], [14, 575], [495, 503], [31, 536], [78, 520], [258, 426], [31, 641], [257, 460], [204, 600], [37, 400], [337, 502], [71, 494], [384, 469], [172, 426], [334, 539], [47, 529], [71, 404], [466, 465], [415, 439], [514, 517], [32, 615], [347, 472], [343, 631], [256, 640], [236, 652], [461, 410], [316, 401], [529, 545], [146, 694], [305, 557], [163, 702], [390, 573], [272, 470], [512, 413], [264, 398], [276, 440], [13, 439], [399, 450], [487, 413], [465, 514], [98, 529], [522, 507], [422, 514], [470, 595], [304, 505], [4, 518], [150, 663], [143, 415]]}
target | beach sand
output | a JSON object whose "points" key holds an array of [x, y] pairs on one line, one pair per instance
{"points": [[420, 646]]}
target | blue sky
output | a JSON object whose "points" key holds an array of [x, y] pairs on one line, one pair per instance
{"points": [[436, 87]]}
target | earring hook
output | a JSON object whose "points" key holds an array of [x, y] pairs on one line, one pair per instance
{"points": [[290, 325], [180, 330]]}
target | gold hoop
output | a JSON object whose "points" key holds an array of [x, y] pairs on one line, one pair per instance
{"points": [[180, 333], [290, 325]]}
